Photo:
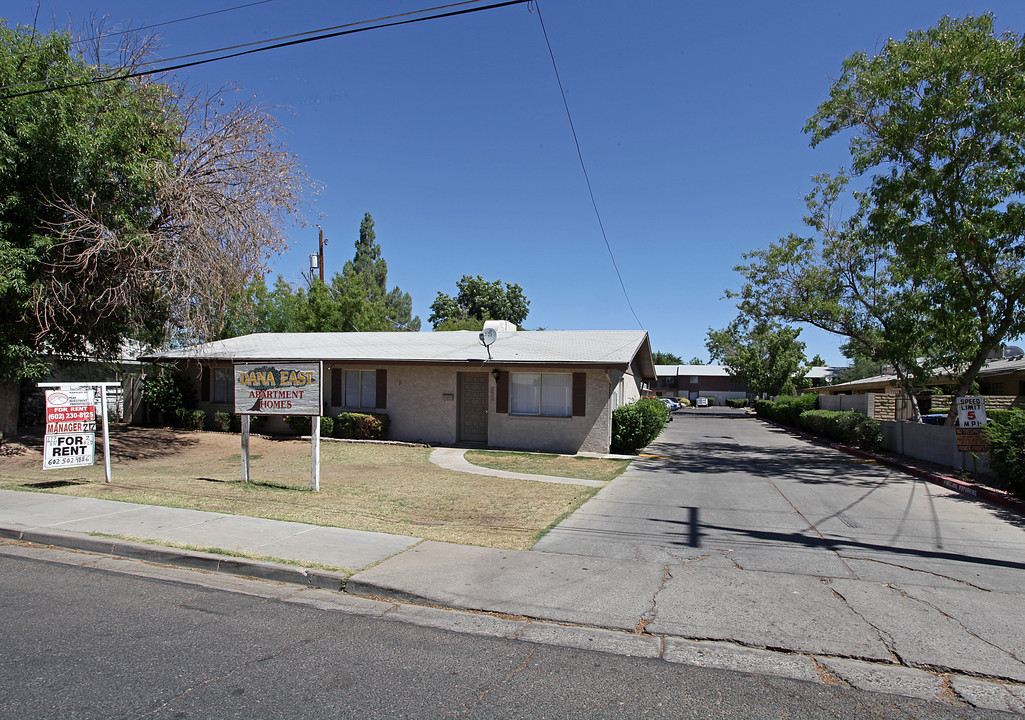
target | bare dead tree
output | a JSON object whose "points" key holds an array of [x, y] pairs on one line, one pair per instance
{"points": [[220, 210]]}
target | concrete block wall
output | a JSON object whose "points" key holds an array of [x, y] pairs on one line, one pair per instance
{"points": [[932, 443]]}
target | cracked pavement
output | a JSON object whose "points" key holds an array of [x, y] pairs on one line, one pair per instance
{"points": [[741, 533]]}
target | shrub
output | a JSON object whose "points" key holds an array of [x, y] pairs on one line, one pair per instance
{"points": [[362, 426], [848, 427], [1007, 450], [683, 401], [736, 402], [299, 424], [636, 425], [327, 426], [189, 419], [163, 397], [1001, 415], [221, 421], [711, 401], [787, 410]]}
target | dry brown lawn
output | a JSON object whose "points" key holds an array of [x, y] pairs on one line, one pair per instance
{"points": [[383, 488]]}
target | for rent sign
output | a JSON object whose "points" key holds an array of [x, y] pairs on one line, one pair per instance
{"points": [[278, 388], [70, 439]]}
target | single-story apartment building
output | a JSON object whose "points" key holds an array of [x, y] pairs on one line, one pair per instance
{"points": [[693, 381], [551, 391], [1004, 376]]}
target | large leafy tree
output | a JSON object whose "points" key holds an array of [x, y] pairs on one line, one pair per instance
{"points": [[929, 270], [767, 357], [666, 358], [129, 209], [479, 300]]}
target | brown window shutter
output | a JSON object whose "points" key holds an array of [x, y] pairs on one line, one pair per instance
{"points": [[502, 395], [579, 394], [336, 387], [205, 378], [382, 388]]}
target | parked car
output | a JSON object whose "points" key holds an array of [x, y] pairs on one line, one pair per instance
{"points": [[671, 404]]}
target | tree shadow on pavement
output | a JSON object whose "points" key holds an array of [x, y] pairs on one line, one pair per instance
{"points": [[693, 532]]}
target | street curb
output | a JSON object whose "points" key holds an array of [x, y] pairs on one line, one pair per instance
{"points": [[996, 497], [962, 487], [176, 557]]}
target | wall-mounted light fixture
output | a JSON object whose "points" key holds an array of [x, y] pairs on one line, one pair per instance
{"points": [[496, 373]]}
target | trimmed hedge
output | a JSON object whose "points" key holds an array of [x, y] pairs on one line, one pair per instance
{"points": [[303, 425], [634, 426], [362, 426], [737, 402], [1006, 433], [787, 410], [848, 427]]}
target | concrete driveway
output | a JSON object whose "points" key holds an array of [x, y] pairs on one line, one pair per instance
{"points": [[724, 490]]}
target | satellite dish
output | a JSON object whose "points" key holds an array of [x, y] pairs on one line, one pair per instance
{"points": [[488, 336]]}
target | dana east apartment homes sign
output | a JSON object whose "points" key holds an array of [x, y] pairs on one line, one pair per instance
{"points": [[278, 388]]}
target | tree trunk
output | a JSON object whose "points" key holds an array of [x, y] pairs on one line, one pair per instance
{"points": [[10, 402], [905, 383]]}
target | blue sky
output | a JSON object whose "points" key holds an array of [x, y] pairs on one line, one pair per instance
{"points": [[453, 135]]}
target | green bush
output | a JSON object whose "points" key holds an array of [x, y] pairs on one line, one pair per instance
{"points": [[221, 421], [711, 400], [327, 426], [636, 425], [1001, 415], [787, 410], [362, 426], [299, 424], [848, 427], [1007, 449], [737, 402], [189, 419]]}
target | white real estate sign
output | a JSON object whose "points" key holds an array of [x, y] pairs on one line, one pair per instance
{"points": [[272, 388], [70, 439]]}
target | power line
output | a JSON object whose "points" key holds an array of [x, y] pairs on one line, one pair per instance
{"points": [[171, 22], [583, 167], [299, 40], [116, 33]]}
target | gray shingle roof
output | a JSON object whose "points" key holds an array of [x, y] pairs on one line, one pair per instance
{"points": [[572, 347]]}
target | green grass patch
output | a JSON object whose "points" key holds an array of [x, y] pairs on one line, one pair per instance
{"points": [[567, 466]]}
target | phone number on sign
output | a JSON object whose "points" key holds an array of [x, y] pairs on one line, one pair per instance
{"points": [[53, 462]]}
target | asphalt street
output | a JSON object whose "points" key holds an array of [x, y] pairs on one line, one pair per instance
{"points": [[132, 640]]}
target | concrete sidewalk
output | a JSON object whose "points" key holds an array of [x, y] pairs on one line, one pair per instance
{"points": [[938, 641], [81, 523]]}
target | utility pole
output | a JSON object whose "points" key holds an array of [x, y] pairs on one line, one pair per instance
{"points": [[317, 260], [321, 253]]}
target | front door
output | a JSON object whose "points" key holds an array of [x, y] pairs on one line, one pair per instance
{"points": [[473, 407]]}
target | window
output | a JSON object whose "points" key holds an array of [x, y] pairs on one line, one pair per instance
{"points": [[541, 394], [693, 379], [360, 389], [224, 386]]}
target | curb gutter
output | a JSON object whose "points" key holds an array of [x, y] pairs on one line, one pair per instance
{"points": [[190, 559]]}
